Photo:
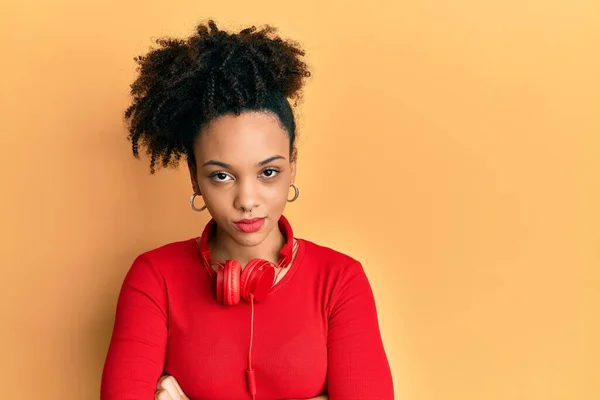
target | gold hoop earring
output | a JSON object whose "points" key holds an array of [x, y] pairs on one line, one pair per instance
{"points": [[194, 206], [296, 194]]}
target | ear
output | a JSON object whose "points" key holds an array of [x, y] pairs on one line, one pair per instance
{"points": [[193, 176], [294, 163]]}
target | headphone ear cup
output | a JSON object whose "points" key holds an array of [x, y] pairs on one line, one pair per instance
{"points": [[232, 283], [228, 283], [244, 280], [256, 279]]}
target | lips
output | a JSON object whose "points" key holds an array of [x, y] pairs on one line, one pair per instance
{"points": [[250, 225]]}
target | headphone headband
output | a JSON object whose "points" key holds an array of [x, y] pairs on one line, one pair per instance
{"points": [[285, 254]]}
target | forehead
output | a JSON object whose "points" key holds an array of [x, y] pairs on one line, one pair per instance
{"points": [[248, 137]]}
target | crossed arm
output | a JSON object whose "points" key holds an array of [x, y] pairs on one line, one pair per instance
{"points": [[168, 389]]}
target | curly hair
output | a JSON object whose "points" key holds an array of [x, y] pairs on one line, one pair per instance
{"points": [[185, 83]]}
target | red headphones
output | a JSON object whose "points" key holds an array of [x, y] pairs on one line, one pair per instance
{"points": [[256, 279]]}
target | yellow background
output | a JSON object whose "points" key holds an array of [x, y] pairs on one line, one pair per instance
{"points": [[452, 146]]}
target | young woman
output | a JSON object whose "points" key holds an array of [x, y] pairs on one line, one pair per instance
{"points": [[245, 310]]}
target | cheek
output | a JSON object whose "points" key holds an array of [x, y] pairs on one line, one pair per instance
{"points": [[216, 200], [278, 192], [279, 198], [273, 192]]}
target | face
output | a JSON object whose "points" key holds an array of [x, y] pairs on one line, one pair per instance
{"points": [[243, 171]]}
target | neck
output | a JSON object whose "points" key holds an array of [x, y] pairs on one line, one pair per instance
{"points": [[223, 247]]}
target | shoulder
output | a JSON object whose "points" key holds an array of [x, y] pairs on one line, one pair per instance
{"points": [[329, 260], [326, 253], [340, 275], [165, 258]]}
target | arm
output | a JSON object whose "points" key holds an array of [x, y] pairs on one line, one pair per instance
{"points": [[136, 354], [357, 363], [168, 389]]}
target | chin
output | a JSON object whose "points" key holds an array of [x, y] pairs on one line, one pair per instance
{"points": [[249, 239]]}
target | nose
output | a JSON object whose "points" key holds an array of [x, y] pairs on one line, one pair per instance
{"points": [[246, 198]]}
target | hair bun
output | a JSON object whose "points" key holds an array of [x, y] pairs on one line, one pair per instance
{"points": [[184, 83], [253, 54]]}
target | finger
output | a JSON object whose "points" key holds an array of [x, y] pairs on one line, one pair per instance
{"points": [[159, 383], [162, 382], [162, 395], [168, 384], [178, 388]]}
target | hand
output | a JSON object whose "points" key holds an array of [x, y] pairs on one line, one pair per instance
{"points": [[168, 389]]}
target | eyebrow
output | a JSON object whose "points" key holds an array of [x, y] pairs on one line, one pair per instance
{"points": [[227, 166]]}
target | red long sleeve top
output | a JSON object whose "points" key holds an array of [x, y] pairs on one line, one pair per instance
{"points": [[316, 332]]}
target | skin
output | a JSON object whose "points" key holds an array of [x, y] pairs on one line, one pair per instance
{"points": [[243, 170]]}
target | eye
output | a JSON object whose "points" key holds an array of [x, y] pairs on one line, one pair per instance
{"points": [[270, 172], [220, 176]]}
